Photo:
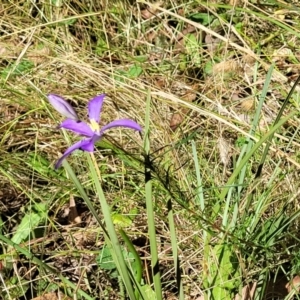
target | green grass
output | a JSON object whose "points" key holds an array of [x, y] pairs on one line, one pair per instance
{"points": [[203, 203]]}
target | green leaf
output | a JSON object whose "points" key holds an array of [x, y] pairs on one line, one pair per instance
{"points": [[224, 276], [141, 58], [121, 220], [149, 292], [193, 48], [135, 71], [105, 259], [30, 222], [203, 18], [16, 288], [101, 46], [56, 2], [208, 67], [23, 67], [45, 286]]}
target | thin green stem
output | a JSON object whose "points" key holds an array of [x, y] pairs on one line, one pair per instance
{"points": [[113, 238], [150, 209]]}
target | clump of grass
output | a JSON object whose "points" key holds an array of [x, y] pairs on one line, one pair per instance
{"points": [[210, 79]]}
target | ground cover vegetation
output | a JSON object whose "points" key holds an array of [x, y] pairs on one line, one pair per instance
{"points": [[199, 198]]}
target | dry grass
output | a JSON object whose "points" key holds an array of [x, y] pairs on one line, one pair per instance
{"points": [[207, 93]]}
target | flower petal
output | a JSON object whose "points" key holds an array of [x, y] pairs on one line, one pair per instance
{"points": [[77, 127], [62, 106], [90, 147], [127, 123], [83, 144], [95, 106]]}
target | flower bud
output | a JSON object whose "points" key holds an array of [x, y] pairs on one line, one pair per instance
{"points": [[62, 106]]}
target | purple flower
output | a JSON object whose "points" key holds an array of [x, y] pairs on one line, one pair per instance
{"points": [[92, 130]]}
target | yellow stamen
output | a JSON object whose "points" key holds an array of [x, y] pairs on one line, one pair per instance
{"points": [[94, 125]]}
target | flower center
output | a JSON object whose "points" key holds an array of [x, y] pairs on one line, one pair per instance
{"points": [[94, 126]]}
